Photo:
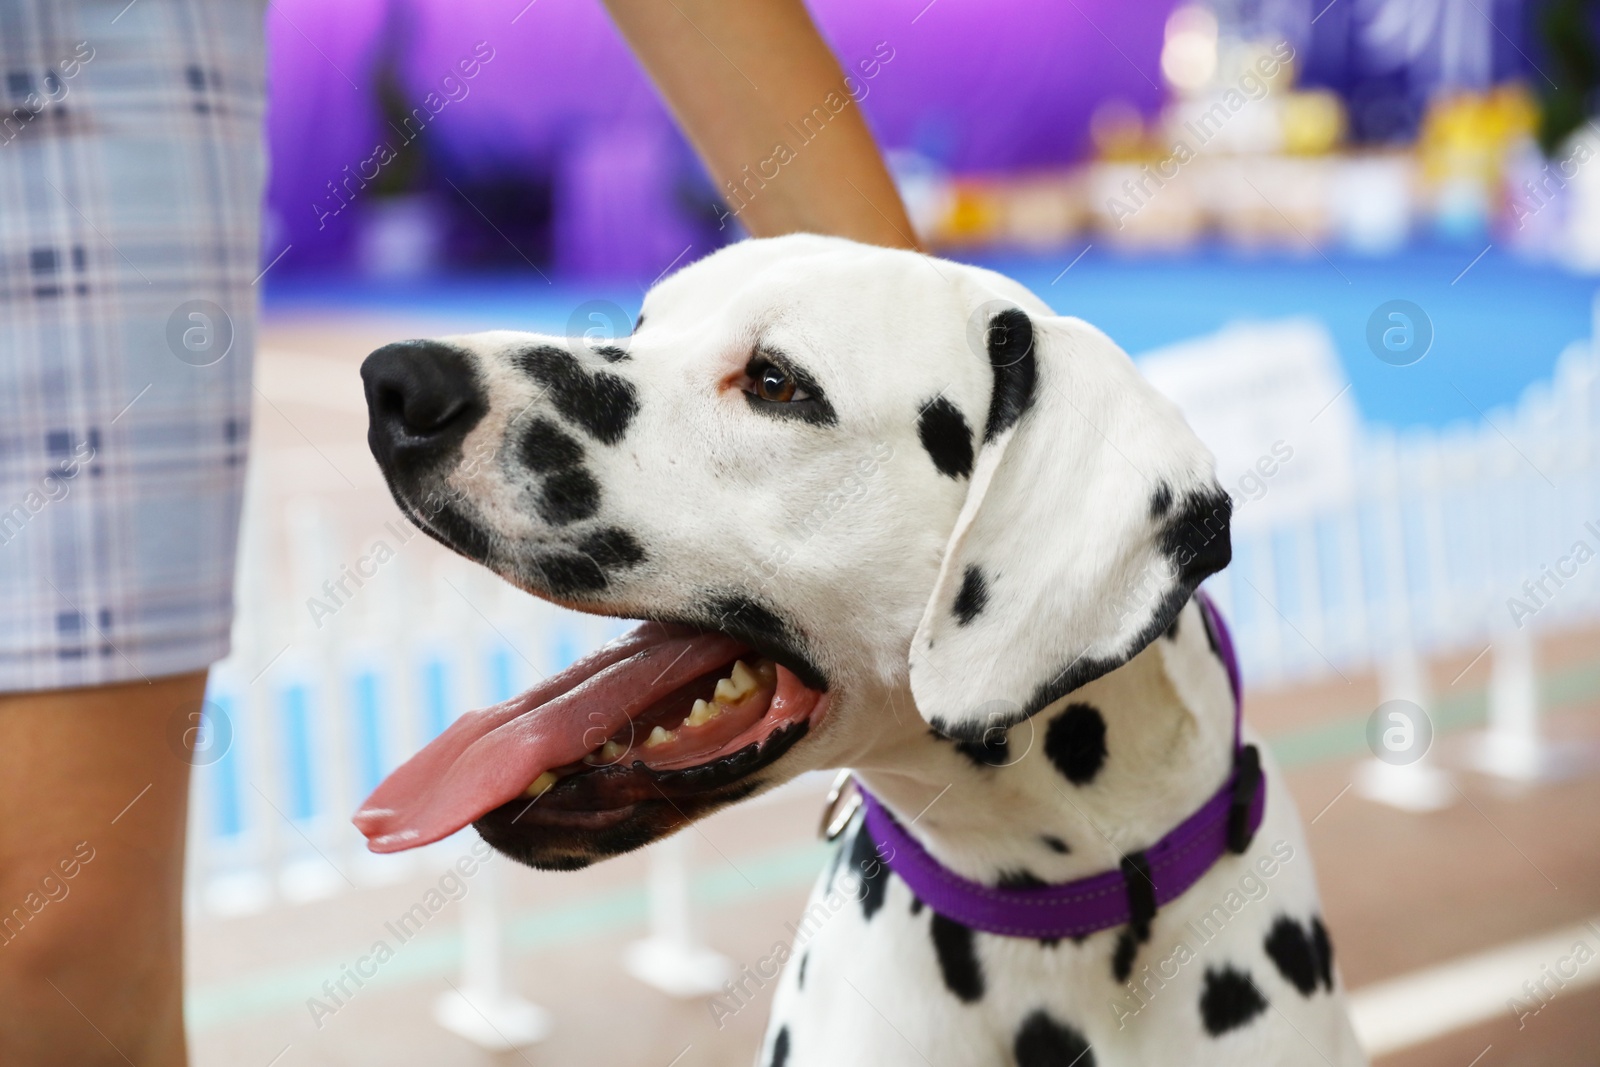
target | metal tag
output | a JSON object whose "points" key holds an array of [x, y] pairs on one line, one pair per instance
{"points": [[840, 807]]}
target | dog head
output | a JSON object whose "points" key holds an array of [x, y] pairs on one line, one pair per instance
{"points": [[828, 474]]}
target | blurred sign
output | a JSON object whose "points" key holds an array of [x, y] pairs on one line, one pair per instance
{"points": [[1272, 403]]}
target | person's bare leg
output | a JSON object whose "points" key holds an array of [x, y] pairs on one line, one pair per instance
{"points": [[93, 800]]}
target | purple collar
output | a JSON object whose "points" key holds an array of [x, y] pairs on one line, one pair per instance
{"points": [[1126, 896]]}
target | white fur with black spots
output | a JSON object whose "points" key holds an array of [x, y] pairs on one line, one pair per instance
{"points": [[957, 535]]}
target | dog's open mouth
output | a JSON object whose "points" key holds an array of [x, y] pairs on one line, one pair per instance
{"points": [[663, 714]]}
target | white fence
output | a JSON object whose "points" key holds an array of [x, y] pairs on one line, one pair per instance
{"points": [[350, 656], [315, 706], [1434, 546]]}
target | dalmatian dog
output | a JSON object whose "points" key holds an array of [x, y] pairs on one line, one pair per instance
{"points": [[888, 513]]}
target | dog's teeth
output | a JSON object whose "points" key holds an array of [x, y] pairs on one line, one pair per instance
{"points": [[702, 712], [605, 755], [658, 736], [738, 685], [744, 676], [540, 785], [767, 672]]}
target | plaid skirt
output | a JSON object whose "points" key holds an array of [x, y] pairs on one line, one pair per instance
{"points": [[131, 178]]}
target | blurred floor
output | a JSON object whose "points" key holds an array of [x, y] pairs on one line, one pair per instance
{"points": [[1401, 891]]}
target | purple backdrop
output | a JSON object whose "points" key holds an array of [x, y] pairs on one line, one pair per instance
{"points": [[560, 113]]}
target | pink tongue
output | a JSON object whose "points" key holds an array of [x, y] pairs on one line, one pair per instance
{"points": [[488, 757]]}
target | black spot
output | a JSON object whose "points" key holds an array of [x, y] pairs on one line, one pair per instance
{"points": [[566, 574], [547, 447], [611, 353], [1043, 1042], [1011, 356], [1172, 631], [1229, 1000], [1054, 844], [873, 872], [1076, 743], [916, 904], [780, 1048], [993, 750], [800, 973], [1077, 673], [1161, 500], [1290, 948], [1021, 879], [957, 951], [947, 437], [568, 496], [599, 402], [1197, 538], [759, 627], [1211, 635], [1324, 947], [749, 617], [973, 597], [839, 851], [611, 547], [451, 528], [1297, 954], [1141, 890], [1122, 958]]}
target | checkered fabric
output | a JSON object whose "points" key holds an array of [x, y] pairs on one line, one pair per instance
{"points": [[131, 172]]}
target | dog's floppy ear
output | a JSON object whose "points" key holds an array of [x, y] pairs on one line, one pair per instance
{"points": [[1092, 514]]}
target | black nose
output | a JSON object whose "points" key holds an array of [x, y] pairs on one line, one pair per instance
{"points": [[422, 398]]}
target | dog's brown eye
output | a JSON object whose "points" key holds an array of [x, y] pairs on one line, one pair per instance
{"points": [[774, 384]]}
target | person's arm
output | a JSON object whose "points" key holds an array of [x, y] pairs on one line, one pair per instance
{"points": [[736, 73]]}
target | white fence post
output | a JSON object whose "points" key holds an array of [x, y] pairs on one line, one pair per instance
{"points": [[670, 959], [483, 1008], [1417, 785], [1513, 747]]}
